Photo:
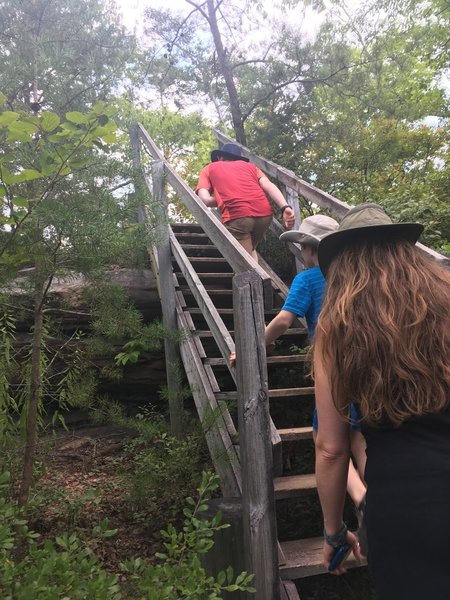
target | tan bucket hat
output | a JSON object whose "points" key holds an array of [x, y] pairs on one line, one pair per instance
{"points": [[311, 230], [366, 222]]}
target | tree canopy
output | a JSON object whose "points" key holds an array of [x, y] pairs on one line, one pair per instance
{"points": [[358, 105]]}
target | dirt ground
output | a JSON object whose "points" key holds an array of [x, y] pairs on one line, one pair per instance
{"points": [[81, 485]]}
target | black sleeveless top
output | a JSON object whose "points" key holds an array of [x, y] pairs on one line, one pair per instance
{"points": [[408, 508]]}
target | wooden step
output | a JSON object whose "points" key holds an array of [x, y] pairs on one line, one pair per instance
{"points": [[199, 247], [186, 228], [214, 279], [207, 275], [200, 250], [294, 486], [295, 433], [206, 264], [304, 558], [225, 311], [199, 238], [274, 393], [271, 360], [212, 260], [205, 334], [211, 291]]}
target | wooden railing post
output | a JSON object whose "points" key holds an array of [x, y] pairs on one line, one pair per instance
{"points": [[163, 268], [258, 501]]}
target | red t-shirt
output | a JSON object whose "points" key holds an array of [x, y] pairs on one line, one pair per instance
{"points": [[236, 189]]}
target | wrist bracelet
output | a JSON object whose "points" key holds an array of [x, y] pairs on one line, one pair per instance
{"points": [[337, 539], [284, 208]]}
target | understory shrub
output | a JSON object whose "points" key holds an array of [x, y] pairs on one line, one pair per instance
{"points": [[179, 574], [66, 568]]}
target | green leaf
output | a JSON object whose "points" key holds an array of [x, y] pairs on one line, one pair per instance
{"points": [[49, 121], [30, 174], [77, 117], [26, 175], [99, 107], [21, 131], [6, 176], [8, 117], [109, 138]]}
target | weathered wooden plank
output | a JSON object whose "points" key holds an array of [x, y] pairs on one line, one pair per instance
{"points": [[271, 360], [254, 435], [210, 291], [273, 393], [304, 558], [228, 548], [228, 311], [163, 271], [290, 591], [288, 333], [202, 247], [209, 260], [295, 433], [190, 235], [293, 486], [167, 288], [216, 275]]}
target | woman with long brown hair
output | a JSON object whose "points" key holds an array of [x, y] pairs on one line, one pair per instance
{"points": [[383, 342]]}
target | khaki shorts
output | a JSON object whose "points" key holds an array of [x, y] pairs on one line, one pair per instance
{"points": [[249, 229]]}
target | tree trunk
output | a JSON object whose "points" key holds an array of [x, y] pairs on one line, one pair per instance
{"points": [[35, 393], [236, 114]]}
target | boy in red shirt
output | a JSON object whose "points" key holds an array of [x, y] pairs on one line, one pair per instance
{"points": [[240, 189]]}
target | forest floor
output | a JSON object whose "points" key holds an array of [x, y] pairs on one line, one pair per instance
{"points": [[82, 485]]}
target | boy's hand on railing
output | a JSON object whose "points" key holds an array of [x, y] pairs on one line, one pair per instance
{"points": [[269, 349]]}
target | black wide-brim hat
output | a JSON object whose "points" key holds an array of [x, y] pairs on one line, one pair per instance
{"points": [[229, 151], [364, 223]]}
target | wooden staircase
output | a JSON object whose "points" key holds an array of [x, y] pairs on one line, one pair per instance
{"points": [[298, 558]]}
